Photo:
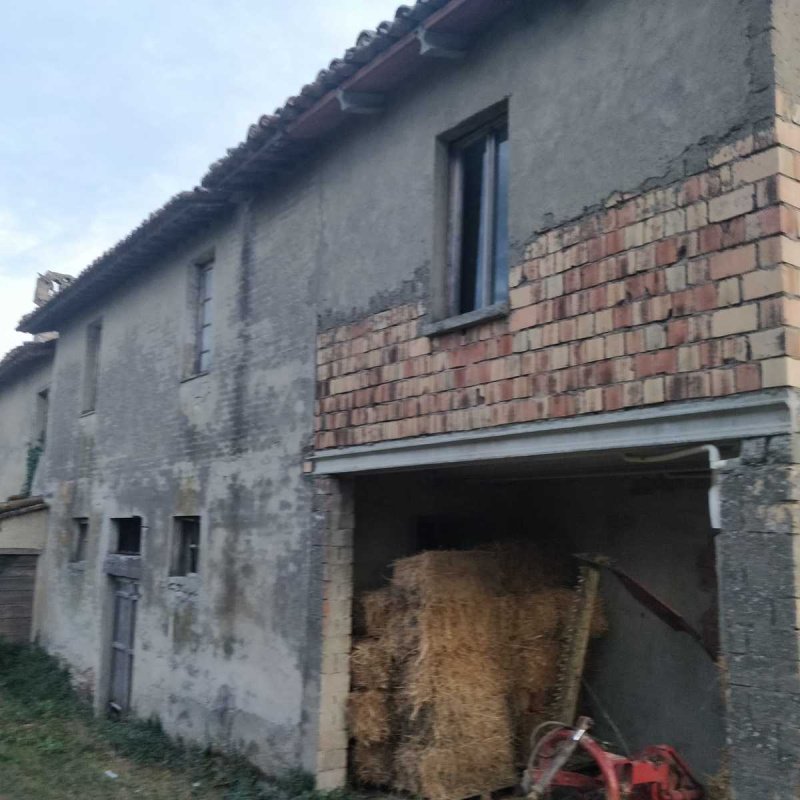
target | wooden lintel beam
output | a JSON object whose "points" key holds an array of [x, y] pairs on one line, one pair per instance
{"points": [[360, 102], [441, 45]]}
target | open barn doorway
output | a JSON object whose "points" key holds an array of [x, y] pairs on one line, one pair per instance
{"points": [[643, 683]]}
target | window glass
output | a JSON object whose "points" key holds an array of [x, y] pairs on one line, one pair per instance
{"points": [[187, 555], [473, 224]]}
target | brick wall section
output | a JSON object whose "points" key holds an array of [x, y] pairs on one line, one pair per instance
{"points": [[689, 291], [759, 587], [333, 507]]}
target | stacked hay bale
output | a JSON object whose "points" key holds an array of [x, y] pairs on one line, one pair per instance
{"points": [[370, 702], [452, 686], [460, 662]]}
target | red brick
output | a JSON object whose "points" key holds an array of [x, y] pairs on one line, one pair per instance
{"points": [[703, 298], [677, 332], [747, 377], [562, 406], [691, 191], [613, 397], [666, 252], [523, 318], [734, 232], [733, 262], [709, 239]]}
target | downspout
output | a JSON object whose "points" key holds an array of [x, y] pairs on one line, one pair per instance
{"points": [[715, 463]]}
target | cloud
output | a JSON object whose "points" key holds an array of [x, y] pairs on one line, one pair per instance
{"points": [[109, 109], [17, 294]]}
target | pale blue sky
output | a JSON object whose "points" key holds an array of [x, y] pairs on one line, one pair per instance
{"points": [[109, 107]]}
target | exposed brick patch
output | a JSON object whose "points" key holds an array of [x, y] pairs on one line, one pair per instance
{"points": [[679, 293]]}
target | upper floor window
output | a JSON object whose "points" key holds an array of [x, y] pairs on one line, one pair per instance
{"points": [[478, 219], [90, 371], [42, 411], [204, 273]]}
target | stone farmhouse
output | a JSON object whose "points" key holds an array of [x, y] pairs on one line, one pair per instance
{"points": [[507, 267]]}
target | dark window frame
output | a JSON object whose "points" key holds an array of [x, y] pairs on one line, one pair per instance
{"points": [[42, 414], [495, 233], [122, 536], [91, 367], [80, 539], [186, 550]]}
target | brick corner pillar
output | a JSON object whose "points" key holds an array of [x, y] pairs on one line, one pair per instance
{"points": [[334, 516], [758, 556]]}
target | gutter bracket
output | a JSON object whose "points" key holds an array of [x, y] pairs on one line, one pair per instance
{"points": [[441, 45], [360, 102]]}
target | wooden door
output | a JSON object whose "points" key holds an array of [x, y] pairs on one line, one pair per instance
{"points": [[17, 578], [126, 593]]}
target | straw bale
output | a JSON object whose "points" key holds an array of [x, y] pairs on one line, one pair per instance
{"points": [[537, 666], [406, 768], [446, 576], [373, 763], [718, 786], [599, 624], [368, 716], [526, 566], [541, 614], [377, 609], [478, 766], [476, 637], [370, 664]]}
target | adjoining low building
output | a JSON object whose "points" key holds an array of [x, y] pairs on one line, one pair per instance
{"points": [[24, 401], [506, 269]]}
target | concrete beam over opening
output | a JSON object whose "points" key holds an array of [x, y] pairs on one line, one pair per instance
{"points": [[691, 422]]}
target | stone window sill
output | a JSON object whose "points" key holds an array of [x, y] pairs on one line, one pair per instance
{"points": [[468, 320], [194, 376], [185, 585]]}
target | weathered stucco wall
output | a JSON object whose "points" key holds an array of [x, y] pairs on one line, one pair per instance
{"points": [[603, 96], [220, 659], [18, 425]]}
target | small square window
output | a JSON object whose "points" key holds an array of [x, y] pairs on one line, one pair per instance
{"points": [[478, 218], [80, 536], [129, 535], [187, 546]]}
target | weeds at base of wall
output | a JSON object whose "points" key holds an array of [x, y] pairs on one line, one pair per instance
{"points": [[39, 689]]}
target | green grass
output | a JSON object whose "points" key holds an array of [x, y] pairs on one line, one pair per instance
{"points": [[53, 748]]}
